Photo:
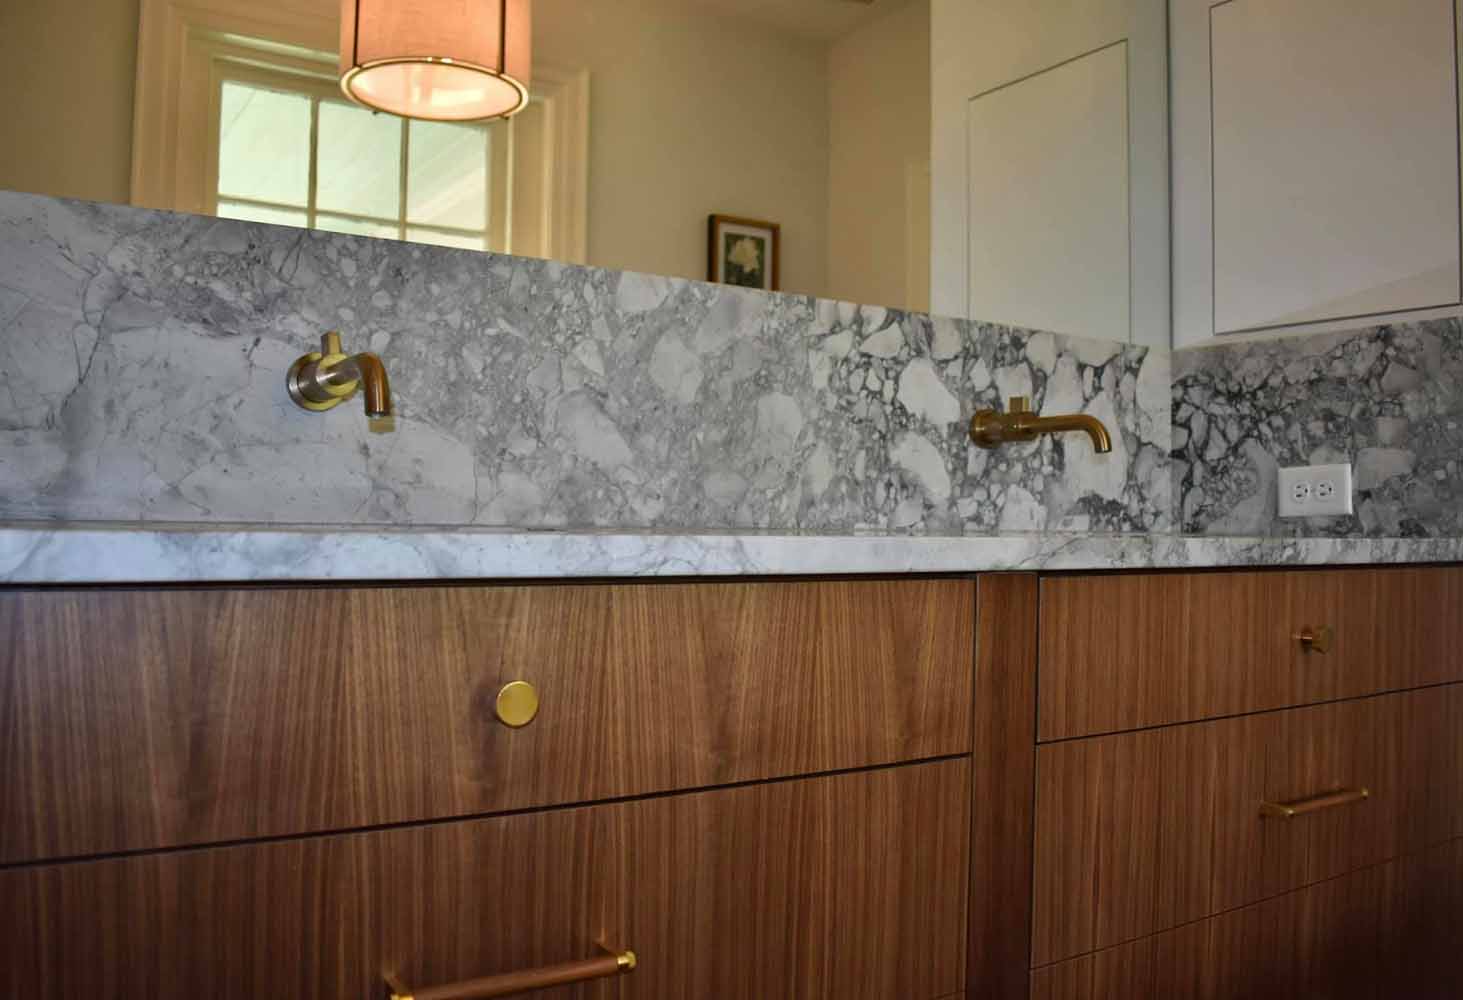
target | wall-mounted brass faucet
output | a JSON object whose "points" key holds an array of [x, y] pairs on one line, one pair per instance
{"points": [[319, 381], [991, 428]]}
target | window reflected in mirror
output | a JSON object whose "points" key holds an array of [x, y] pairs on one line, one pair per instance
{"points": [[292, 151]]}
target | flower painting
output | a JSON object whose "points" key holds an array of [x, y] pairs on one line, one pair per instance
{"points": [[744, 252], [746, 259]]}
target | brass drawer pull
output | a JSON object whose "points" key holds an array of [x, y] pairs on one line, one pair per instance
{"points": [[611, 963], [1318, 640], [517, 704], [1300, 807]]}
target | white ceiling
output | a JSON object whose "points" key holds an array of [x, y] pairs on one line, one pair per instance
{"points": [[819, 20]]}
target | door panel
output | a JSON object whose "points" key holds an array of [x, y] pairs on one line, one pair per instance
{"points": [[995, 209], [1052, 146]]}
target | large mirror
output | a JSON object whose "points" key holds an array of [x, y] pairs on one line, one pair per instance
{"points": [[1001, 159]]}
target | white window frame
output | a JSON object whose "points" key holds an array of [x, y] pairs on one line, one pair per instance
{"points": [[321, 90], [174, 148]]}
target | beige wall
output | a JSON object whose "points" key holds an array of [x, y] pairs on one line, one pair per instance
{"points": [[879, 152], [690, 115], [66, 73]]}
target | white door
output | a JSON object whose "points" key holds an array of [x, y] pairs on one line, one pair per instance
{"points": [[1315, 172], [1049, 166]]}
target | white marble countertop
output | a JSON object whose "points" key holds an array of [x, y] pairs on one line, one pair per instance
{"points": [[80, 554]]}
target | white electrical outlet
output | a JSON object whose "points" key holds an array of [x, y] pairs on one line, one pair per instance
{"points": [[1315, 490]]}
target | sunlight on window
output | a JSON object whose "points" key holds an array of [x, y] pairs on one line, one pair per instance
{"points": [[359, 162], [264, 145], [304, 157], [445, 239], [252, 212], [354, 226], [448, 182]]}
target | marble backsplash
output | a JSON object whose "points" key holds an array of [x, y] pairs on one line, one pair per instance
{"points": [[142, 362], [1389, 399]]}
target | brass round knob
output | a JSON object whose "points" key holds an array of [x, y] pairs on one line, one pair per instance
{"points": [[1317, 640], [517, 704]]}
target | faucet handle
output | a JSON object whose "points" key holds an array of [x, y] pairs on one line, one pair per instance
{"points": [[1019, 404], [330, 344]]}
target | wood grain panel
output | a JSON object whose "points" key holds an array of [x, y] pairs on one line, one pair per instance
{"points": [[1121, 652], [1144, 831], [1069, 980], [1129, 651], [1385, 744], [1141, 831], [1003, 767], [1381, 932], [133, 719], [1439, 957], [1446, 804], [849, 886]]}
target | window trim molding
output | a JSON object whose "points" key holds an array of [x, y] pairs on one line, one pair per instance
{"points": [[565, 207], [170, 109], [179, 42]]}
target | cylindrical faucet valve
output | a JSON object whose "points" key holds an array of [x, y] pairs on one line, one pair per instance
{"points": [[322, 380]]}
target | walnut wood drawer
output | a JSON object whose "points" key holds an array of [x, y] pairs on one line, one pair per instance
{"points": [[847, 886], [1139, 832], [1136, 650], [138, 719], [1383, 932]]}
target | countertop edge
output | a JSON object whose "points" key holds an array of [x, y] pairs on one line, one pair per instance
{"points": [[89, 554]]}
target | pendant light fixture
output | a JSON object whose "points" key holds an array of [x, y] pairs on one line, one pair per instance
{"points": [[442, 60]]}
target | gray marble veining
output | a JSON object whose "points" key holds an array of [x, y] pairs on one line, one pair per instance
{"points": [[96, 554], [142, 360], [1389, 399]]}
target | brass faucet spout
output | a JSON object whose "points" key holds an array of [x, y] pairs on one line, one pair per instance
{"points": [[991, 428], [1084, 422], [367, 369], [320, 381]]}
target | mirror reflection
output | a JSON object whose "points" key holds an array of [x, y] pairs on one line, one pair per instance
{"points": [[645, 119], [1159, 171], [961, 156]]}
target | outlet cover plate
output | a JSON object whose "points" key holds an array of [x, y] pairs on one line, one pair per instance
{"points": [[1315, 490]]}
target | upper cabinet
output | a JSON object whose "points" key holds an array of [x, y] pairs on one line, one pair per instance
{"points": [[1170, 171], [1315, 162], [1049, 165]]}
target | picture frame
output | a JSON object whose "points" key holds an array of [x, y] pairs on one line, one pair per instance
{"points": [[744, 252]]}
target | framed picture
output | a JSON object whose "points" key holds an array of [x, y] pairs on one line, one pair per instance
{"points": [[745, 252]]}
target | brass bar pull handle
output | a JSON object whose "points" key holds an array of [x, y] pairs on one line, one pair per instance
{"points": [[1316, 640], [1316, 803], [512, 983]]}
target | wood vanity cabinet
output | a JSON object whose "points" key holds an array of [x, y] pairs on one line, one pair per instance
{"points": [[161, 718], [1248, 784], [996, 787], [844, 885], [762, 789]]}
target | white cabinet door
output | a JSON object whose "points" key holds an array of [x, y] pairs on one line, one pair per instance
{"points": [[1049, 165], [1316, 170]]}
